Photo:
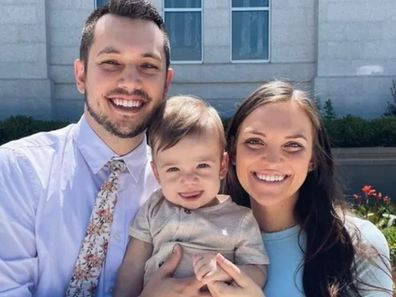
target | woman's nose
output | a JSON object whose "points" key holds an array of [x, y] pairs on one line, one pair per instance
{"points": [[272, 155]]}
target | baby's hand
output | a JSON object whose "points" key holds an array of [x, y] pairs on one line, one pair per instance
{"points": [[206, 269]]}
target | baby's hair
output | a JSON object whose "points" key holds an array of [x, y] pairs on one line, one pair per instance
{"points": [[183, 116]]}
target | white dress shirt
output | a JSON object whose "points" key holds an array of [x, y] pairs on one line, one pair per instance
{"points": [[48, 185]]}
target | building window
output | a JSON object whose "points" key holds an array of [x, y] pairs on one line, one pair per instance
{"points": [[250, 30], [183, 21], [100, 3]]}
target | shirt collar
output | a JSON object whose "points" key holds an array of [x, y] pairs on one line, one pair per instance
{"points": [[96, 153]]}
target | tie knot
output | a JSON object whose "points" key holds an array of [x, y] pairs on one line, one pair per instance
{"points": [[117, 165]]}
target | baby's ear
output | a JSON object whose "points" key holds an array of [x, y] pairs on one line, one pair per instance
{"points": [[155, 171], [224, 165]]}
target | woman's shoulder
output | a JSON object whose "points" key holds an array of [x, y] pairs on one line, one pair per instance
{"points": [[366, 232]]}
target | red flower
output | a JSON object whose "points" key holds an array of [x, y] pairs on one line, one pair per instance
{"points": [[366, 189]]}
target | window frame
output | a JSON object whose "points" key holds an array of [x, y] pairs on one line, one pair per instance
{"points": [[96, 4], [253, 8], [191, 9]]}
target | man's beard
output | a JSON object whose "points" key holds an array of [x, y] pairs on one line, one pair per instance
{"points": [[134, 129]]}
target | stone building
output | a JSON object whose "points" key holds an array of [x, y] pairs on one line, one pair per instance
{"points": [[343, 50]]}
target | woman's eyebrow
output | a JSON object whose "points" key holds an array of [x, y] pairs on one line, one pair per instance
{"points": [[298, 135]]}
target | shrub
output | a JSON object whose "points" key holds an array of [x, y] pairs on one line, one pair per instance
{"points": [[381, 211], [374, 206], [349, 131], [352, 131], [390, 235], [20, 126]]}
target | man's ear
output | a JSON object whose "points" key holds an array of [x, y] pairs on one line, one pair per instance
{"points": [[224, 165], [79, 75], [155, 171], [169, 77]]}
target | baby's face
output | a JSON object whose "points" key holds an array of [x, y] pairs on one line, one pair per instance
{"points": [[190, 171]]}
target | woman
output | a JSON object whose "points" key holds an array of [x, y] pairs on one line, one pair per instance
{"points": [[282, 167]]}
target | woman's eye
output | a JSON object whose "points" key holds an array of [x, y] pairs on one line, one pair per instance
{"points": [[203, 165], [254, 141], [172, 169], [294, 146]]}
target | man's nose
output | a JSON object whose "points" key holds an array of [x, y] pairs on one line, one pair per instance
{"points": [[130, 77]]}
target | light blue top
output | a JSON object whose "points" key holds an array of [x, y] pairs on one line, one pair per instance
{"points": [[49, 182], [284, 252]]}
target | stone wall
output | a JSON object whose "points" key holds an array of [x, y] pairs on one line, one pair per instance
{"points": [[343, 50], [356, 55], [65, 23], [25, 87], [223, 83]]}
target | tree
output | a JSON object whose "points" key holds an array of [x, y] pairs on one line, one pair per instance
{"points": [[391, 108]]}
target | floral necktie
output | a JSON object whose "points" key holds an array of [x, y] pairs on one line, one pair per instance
{"points": [[93, 251]]}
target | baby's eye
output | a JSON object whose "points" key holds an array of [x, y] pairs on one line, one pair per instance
{"points": [[203, 165], [172, 169]]}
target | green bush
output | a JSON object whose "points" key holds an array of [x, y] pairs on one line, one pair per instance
{"points": [[352, 131], [20, 126], [384, 131], [390, 235], [381, 211], [349, 131]]}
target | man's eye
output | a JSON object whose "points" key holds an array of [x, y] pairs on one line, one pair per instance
{"points": [[203, 165], [110, 62], [110, 65], [149, 66], [172, 169]]}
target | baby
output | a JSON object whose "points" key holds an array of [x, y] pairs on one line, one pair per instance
{"points": [[189, 161]]}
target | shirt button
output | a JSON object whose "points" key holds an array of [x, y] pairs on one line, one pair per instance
{"points": [[187, 211], [117, 237]]}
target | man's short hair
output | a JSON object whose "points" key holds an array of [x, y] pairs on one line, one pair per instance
{"points": [[133, 9]]}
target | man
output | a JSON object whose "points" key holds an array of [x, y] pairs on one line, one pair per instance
{"points": [[49, 181]]}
